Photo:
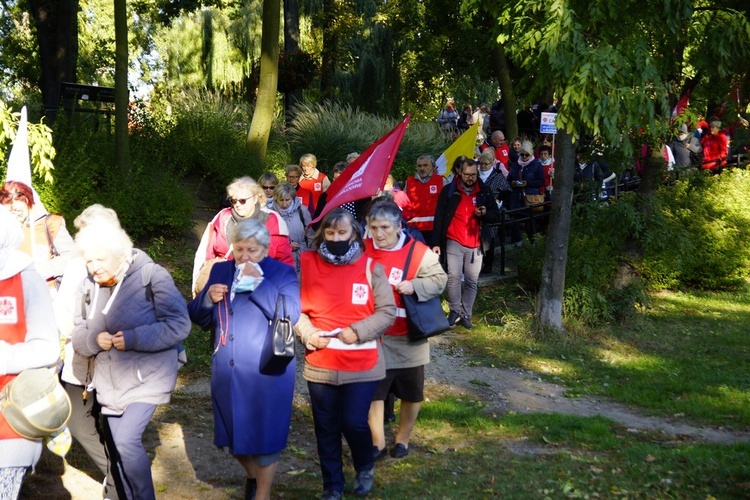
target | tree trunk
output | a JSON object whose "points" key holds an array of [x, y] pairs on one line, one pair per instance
{"points": [[207, 53], [57, 36], [506, 87], [291, 43], [550, 299], [122, 100], [330, 43], [260, 127]]}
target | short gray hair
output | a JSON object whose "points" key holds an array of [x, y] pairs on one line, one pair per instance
{"points": [[487, 154], [429, 158], [284, 189], [385, 208], [251, 228], [95, 212], [106, 235]]}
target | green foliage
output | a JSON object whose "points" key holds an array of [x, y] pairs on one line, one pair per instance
{"points": [[698, 236], [332, 131], [205, 137], [151, 200]]}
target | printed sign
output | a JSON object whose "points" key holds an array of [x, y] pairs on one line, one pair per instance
{"points": [[547, 124]]}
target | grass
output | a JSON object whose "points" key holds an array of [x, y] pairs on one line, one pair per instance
{"points": [[687, 355]]}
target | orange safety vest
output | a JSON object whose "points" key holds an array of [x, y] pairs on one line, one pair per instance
{"points": [[336, 297], [393, 262], [424, 198], [12, 331]]}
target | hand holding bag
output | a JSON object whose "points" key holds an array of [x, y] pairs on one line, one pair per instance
{"points": [[278, 349], [426, 319]]}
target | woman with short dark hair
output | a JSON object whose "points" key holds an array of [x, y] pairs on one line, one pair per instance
{"points": [[347, 304]]}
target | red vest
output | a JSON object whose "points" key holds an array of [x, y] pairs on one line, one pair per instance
{"points": [[464, 226], [335, 297], [12, 331], [314, 185], [424, 198], [393, 262]]}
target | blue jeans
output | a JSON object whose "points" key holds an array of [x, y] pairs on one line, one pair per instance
{"points": [[337, 410], [131, 465]]}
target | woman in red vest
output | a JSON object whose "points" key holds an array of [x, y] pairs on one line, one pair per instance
{"points": [[29, 340], [404, 360], [347, 304]]}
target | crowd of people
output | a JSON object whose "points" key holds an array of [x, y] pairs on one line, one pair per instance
{"points": [[341, 282]]}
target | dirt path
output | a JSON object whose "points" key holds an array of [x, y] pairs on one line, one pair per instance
{"points": [[187, 465]]}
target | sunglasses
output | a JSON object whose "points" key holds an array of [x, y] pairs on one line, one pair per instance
{"points": [[269, 187], [525, 155], [241, 201]]}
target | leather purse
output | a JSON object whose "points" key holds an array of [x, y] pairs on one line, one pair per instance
{"points": [[278, 349], [426, 319]]}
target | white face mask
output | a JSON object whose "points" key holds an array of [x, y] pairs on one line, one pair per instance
{"points": [[682, 137]]}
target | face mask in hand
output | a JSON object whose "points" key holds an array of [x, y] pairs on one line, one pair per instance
{"points": [[243, 282]]}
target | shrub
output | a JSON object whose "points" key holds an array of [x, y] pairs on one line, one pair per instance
{"points": [[332, 131], [149, 200]]}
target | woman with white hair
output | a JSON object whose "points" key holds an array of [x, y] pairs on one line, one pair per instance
{"points": [[526, 177], [132, 329], [28, 339], [252, 408], [247, 201]]}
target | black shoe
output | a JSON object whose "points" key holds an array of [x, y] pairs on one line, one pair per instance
{"points": [[251, 486], [465, 322], [377, 453], [331, 495], [399, 451], [453, 317], [364, 482]]}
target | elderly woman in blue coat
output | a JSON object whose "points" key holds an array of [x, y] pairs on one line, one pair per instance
{"points": [[252, 409]]}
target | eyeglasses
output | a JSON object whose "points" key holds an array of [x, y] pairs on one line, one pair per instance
{"points": [[485, 163], [269, 187], [469, 176], [525, 155], [291, 176], [241, 201]]}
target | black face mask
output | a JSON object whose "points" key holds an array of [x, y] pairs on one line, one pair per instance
{"points": [[338, 248]]}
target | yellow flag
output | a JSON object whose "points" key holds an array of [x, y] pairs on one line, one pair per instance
{"points": [[463, 146]]}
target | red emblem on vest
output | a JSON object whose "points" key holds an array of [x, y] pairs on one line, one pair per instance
{"points": [[8, 311]]}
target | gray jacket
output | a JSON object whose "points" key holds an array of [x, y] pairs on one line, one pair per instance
{"points": [[153, 324]]}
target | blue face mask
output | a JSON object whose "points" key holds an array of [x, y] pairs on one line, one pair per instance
{"points": [[243, 282]]}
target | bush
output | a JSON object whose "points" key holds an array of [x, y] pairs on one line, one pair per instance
{"points": [[332, 131], [150, 200], [699, 237], [696, 236]]}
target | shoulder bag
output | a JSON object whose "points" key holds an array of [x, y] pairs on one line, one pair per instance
{"points": [[426, 319], [34, 403], [278, 349]]}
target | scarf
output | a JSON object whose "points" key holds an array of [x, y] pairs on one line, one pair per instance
{"points": [[258, 215], [485, 175], [340, 260], [523, 163]]}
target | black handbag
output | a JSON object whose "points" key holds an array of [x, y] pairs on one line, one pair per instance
{"points": [[278, 349], [426, 319]]}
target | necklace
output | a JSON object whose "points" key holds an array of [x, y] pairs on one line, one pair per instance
{"points": [[223, 323]]}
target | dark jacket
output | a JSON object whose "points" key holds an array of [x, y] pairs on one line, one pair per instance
{"points": [[447, 204]]}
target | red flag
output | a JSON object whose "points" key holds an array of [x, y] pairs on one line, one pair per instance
{"points": [[681, 104], [367, 174]]}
